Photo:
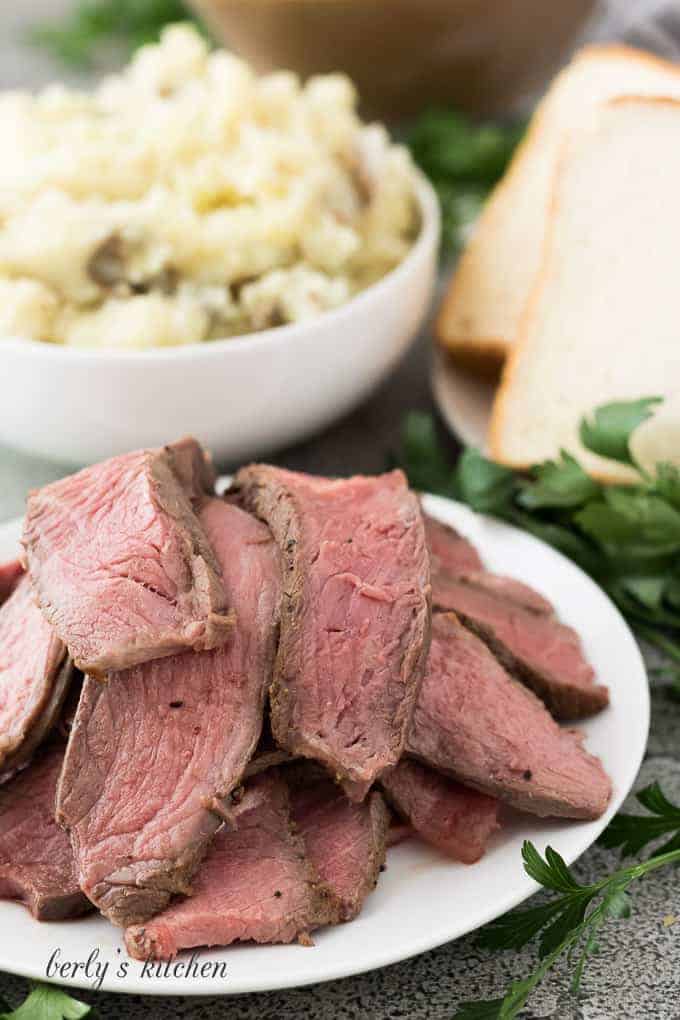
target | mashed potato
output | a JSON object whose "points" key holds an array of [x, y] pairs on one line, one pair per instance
{"points": [[187, 199]]}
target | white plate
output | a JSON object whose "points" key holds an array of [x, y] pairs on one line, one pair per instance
{"points": [[464, 401], [422, 900]]}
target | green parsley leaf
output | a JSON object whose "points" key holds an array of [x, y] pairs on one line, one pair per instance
{"points": [[667, 483], [632, 517], [649, 591], [486, 486], [618, 904], [463, 159], [514, 930], [448, 145], [567, 925], [567, 919], [93, 26], [672, 591], [551, 872], [632, 833], [46, 1002], [561, 536], [423, 458], [659, 640], [609, 430], [558, 483], [489, 1009]]}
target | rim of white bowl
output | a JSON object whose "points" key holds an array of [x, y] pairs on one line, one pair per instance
{"points": [[427, 241]]}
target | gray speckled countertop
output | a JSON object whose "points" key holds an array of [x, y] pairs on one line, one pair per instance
{"points": [[636, 976]]}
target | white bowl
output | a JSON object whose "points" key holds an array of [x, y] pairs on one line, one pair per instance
{"points": [[243, 397]]}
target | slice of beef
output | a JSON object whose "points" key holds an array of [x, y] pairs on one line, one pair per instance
{"points": [[510, 590], [476, 723], [262, 761], [50, 719], [448, 549], [355, 616], [255, 884], [153, 752], [34, 678], [522, 630], [344, 841], [455, 555], [36, 860], [456, 820], [266, 755], [120, 564], [10, 574], [69, 709], [398, 832]]}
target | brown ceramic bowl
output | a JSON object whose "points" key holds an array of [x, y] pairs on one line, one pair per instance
{"points": [[480, 55]]}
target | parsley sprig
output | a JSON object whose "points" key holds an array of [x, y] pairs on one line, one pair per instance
{"points": [[570, 924], [632, 833], [627, 537], [46, 1002], [463, 159], [93, 28]]}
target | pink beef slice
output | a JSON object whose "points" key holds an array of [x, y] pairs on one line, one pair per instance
{"points": [[453, 555], [355, 616], [476, 723], [256, 884], [34, 677], [154, 751], [120, 565], [456, 820], [10, 574], [448, 549], [522, 630], [345, 842], [36, 860]]}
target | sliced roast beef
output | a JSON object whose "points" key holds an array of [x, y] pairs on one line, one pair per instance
{"points": [[120, 565], [153, 752], [455, 555], [456, 820], [255, 884], [510, 590], [475, 722], [399, 831], [521, 628], [448, 549], [36, 860], [9, 577], [34, 678], [345, 842], [355, 616], [264, 760]]}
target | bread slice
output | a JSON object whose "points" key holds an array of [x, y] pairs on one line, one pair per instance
{"points": [[480, 316], [602, 322]]}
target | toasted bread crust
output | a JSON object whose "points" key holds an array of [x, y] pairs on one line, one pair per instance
{"points": [[481, 352]]}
